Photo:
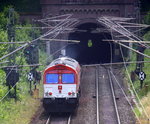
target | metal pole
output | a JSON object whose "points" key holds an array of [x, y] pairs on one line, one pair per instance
{"points": [[15, 93], [141, 82], [30, 87]]}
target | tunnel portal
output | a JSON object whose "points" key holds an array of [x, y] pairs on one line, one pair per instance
{"points": [[91, 49]]}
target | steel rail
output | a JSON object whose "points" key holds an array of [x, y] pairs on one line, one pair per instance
{"points": [[97, 97], [114, 99], [69, 120], [48, 120], [125, 96]]}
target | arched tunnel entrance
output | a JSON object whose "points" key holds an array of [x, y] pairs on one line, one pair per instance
{"points": [[91, 49]]}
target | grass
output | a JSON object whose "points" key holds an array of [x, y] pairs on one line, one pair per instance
{"points": [[144, 93], [146, 103], [20, 111]]}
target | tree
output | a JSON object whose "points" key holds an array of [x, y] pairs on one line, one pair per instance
{"points": [[3, 38], [4, 17], [147, 21], [22, 34], [147, 18]]}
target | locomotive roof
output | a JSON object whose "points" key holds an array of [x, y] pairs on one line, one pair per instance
{"points": [[65, 61]]}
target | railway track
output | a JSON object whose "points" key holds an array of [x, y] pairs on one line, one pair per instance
{"points": [[97, 97], [96, 103], [55, 119], [122, 97], [114, 98], [106, 105]]}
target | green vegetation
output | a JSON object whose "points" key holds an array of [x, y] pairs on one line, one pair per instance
{"points": [[141, 92], [147, 18], [146, 88], [3, 38], [144, 93], [21, 110], [131, 67]]}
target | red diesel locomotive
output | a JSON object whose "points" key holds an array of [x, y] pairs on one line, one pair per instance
{"points": [[61, 82]]}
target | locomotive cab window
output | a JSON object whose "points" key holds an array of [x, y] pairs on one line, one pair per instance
{"points": [[52, 78], [68, 78]]}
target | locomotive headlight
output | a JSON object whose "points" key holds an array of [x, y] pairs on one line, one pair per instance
{"points": [[50, 93], [69, 93]]}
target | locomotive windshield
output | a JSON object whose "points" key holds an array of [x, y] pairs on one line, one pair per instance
{"points": [[68, 78], [52, 78]]}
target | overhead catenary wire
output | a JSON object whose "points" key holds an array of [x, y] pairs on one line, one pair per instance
{"points": [[118, 63], [111, 24], [4, 62], [124, 94], [17, 82], [126, 97], [126, 41], [76, 41], [122, 89], [14, 67], [18, 66], [114, 99], [133, 50], [53, 32], [57, 51], [129, 75], [9, 89], [8, 92], [133, 86], [114, 25], [55, 17], [13, 42], [128, 72]]}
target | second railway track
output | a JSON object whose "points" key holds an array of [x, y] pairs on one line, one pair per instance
{"points": [[107, 110], [114, 98]]}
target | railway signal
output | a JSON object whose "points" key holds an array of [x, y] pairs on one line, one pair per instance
{"points": [[90, 43], [34, 76], [142, 77], [30, 77], [12, 77], [32, 54]]}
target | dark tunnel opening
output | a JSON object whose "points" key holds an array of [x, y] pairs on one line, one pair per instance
{"points": [[91, 49]]}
